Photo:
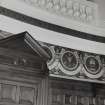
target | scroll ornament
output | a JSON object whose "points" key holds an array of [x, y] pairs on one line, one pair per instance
{"points": [[73, 63]]}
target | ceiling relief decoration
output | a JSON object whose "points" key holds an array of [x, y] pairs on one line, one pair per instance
{"points": [[84, 11], [74, 64]]}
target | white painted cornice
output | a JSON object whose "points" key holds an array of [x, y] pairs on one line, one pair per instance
{"points": [[39, 12], [44, 35]]}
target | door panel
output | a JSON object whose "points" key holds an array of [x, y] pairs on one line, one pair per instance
{"points": [[17, 93]]}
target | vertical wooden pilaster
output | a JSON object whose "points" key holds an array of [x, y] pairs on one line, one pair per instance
{"points": [[43, 92]]}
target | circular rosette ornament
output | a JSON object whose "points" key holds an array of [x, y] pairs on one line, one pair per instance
{"points": [[93, 66], [70, 63]]}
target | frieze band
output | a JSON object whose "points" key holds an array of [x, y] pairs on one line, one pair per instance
{"points": [[72, 63]]}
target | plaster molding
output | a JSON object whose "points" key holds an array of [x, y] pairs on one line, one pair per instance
{"points": [[48, 36], [52, 16], [83, 11], [76, 64]]}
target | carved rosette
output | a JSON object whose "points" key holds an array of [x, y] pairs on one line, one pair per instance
{"points": [[69, 63], [76, 64], [93, 67]]}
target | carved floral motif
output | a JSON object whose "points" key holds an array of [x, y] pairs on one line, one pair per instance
{"points": [[84, 11]]}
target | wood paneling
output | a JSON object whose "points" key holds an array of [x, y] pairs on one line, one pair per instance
{"points": [[23, 94], [27, 95], [68, 92], [8, 92]]}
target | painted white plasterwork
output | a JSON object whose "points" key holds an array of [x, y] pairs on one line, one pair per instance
{"points": [[15, 26], [78, 10], [52, 16]]}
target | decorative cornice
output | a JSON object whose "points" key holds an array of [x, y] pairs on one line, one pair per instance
{"points": [[83, 11]]}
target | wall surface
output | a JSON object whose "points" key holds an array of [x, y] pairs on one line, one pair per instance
{"points": [[101, 6]]}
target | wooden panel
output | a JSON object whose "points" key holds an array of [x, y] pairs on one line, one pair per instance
{"points": [[68, 92], [18, 93], [8, 92], [59, 99], [21, 59], [27, 95]]}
